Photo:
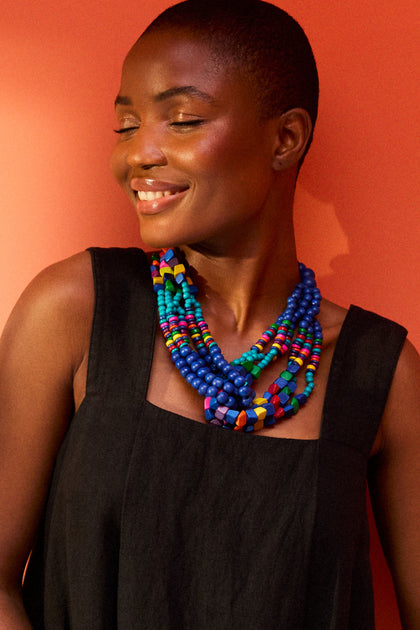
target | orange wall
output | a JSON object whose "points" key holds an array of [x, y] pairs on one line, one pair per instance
{"points": [[358, 198]]}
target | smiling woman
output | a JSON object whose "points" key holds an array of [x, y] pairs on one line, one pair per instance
{"points": [[197, 127], [187, 435]]}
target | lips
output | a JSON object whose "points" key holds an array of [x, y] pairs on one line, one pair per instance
{"points": [[148, 189], [153, 195]]}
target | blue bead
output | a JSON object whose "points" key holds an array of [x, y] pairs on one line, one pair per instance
{"points": [[251, 416], [239, 381], [218, 382], [283, 398], [270, 409], [209, 378], [185, 371], [226, 368], [175, 356], [231, 402], [293, 367], [247, 401], [202, 390], [231, 416], [229, 388], [222, 398], [281, 382], [180, 364], [208, 414], [184, 351], [214, 404], [190, 377], [245, 391], [196, 382], [190, 358], [212, 391], [203, 371]]}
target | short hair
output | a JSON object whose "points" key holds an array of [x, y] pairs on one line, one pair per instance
{"points": [[258, 38]]}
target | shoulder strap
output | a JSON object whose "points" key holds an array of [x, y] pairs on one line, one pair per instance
{"points": [[361, 373], [122, 338]]}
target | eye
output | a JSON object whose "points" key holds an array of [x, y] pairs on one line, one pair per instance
{"points": [[126, 130], [184, 125]]}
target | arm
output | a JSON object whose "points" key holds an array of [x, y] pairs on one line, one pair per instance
{"points": [[43, 344], [395, 486]]}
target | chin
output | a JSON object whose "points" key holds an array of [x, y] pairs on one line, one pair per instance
{"points": [[156, 239]]}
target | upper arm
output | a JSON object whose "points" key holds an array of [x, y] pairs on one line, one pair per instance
{"points": [[41, 347], [395, 485]]}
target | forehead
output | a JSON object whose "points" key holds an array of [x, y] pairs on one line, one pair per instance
{"points": [[167, 58]]}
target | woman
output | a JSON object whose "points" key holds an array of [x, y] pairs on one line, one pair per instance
{"points": [[152, 518]]}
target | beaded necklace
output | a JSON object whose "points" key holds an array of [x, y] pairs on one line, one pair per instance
{"points": [[229, 400]]}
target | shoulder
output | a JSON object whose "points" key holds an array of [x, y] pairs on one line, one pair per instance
{"points": [[400, 428], [55, 310]]}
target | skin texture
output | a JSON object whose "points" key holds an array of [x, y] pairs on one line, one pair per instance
{"points": [[232, 215]]}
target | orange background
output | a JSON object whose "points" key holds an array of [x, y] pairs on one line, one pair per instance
{"points": [[358, 197]]}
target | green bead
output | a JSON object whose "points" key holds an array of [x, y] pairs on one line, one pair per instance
{"points": [[295, 404], [286, 375]]}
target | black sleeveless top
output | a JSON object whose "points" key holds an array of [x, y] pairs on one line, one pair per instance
{"points": [[157, 522]]}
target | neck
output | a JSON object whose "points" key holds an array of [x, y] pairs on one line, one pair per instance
{"points": [[248, 285]]}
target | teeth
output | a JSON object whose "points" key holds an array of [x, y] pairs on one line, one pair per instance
{"points": [[148, 195]]}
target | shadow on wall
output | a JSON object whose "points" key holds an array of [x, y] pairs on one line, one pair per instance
{"points": [[357, 199]]}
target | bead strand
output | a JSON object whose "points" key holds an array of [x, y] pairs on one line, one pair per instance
{"points": [[229, 399]]}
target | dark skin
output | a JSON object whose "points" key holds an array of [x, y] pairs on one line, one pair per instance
{"points": [[231, 178]]}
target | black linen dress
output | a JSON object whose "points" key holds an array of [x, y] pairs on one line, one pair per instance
{"points": [[157, 522]]}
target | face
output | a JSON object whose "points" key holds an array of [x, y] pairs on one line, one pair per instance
{"points": [[192, 153]]}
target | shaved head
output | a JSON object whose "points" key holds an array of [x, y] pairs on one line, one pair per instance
{"points": [[259, 40]]}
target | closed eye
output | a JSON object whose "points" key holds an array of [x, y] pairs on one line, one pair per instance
{"points": [[187, 123], [125, 130]]}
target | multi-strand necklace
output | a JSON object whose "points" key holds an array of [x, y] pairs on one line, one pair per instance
{"points": [[229, 399]]}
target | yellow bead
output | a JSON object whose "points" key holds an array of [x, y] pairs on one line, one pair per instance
{"points": [[259, 401], [179, 269], [164, 270], [261, 413]]}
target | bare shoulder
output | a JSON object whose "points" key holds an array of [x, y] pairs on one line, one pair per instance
{"points": [[400, 425], [57, 303], [65, 284]]}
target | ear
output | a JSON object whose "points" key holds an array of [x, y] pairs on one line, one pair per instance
{"points": [[293, 132]]}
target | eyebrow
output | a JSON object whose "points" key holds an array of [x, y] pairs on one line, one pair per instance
{"points": [[183, 90]]}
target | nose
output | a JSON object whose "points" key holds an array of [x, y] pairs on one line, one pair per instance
{"points": [[143, 150]]}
